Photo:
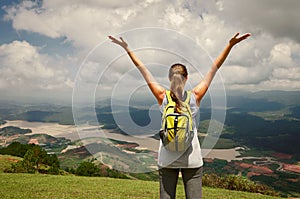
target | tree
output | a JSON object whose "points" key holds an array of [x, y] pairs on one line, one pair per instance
{"points": [[34, 157], [15, 149], [53, 162], [87, 169]]}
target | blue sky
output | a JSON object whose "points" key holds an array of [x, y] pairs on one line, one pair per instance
{"points": [[7, 32], [45, 46]]}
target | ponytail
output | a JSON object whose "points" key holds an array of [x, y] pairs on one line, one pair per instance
{"points": [[177, 76]]}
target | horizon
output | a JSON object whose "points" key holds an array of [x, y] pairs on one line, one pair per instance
{"points": [[140, 99]]}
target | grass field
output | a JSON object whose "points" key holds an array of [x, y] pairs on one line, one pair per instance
{"points": [[51, 186]]}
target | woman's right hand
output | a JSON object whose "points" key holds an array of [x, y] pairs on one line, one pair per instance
{"points": [[120, 42]]}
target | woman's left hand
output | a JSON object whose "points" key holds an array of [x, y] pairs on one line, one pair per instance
{"points": [[235, 39]]}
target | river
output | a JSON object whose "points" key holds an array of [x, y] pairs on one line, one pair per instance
{"points": [[74, 133]]}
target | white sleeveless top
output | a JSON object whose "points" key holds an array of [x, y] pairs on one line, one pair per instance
{"points": [[192, 157]]}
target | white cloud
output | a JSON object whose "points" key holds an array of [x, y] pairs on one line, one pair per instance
{"points": [[287, 73], [23, 67], [279, 70], [85, 23], [280, 84], [281, 55], [275, 17], [243, 75]]}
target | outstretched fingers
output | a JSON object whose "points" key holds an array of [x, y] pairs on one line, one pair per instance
{"points": [[120, 42], [236, 34], [236, 38], [114, 40], [245, 36], [242, 37]]}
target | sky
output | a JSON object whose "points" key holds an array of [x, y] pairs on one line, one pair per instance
{"points": [[51, 50]]}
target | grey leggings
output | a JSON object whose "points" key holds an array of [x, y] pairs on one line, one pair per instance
{"points": [[192, 180]]}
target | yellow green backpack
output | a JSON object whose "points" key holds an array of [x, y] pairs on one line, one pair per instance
{"points": [[177, 128]]}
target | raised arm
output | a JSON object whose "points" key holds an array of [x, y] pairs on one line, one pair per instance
{"points": [[157, 90], [203, 86]]}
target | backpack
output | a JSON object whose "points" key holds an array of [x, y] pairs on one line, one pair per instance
{"points": [[177, 128]]}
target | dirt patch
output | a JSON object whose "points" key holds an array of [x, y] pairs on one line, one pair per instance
{"points": [[282, 156], [245, 165], [291, 167], [12, 160], [9, 159], [255, 170], [262, 170], [250, 174]]}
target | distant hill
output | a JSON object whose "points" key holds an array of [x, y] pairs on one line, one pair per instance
{"points": [[287, 98], [12, 134], [36, 113], [12, 131], [266, 120]]}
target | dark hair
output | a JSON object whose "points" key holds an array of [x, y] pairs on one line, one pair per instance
{"points": [[177, 76]]}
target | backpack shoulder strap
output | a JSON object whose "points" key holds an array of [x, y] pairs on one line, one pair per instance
{"points": [[187, 102], [168, 95], [188, 97]]}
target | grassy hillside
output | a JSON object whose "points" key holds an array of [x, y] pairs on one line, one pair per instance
{"points": [[6, 161], [50, 186]]}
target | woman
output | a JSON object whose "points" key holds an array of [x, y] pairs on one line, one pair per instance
{"points": [[189, 163]]}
